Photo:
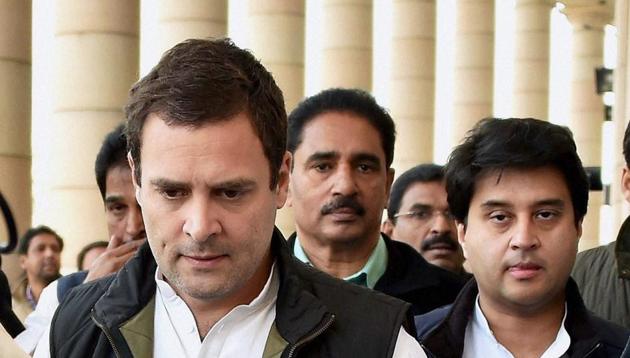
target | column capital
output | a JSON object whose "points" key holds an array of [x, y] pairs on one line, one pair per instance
{"points": [[589, 13]]}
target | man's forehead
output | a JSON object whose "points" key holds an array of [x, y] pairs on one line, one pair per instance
{"points": [[429, 191], [340, 132]]}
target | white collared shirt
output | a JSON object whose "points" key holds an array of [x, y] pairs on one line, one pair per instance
{"points": [[243, 332], [479, 341], [238, 334]]}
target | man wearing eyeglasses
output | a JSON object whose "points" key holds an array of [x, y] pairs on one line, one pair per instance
{"points": [[342, 144], [418, 214]]}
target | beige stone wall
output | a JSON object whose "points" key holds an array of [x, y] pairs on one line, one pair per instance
{"points": [[621, 112], [179, 20], [474, 65], [346, 39], [276, 37], [412, 81], [586, 106], [531, 60], [95, 63], [15, 118]]}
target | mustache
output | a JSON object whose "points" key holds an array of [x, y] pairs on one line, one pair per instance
{"points": [[343, 202], [444, 238]]}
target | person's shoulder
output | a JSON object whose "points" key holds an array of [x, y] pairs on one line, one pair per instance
{"points": [[426, 322], [82, 297], [591, 262], [613, 335], [327, 287]]}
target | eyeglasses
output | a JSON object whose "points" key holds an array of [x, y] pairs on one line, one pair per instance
{"points": [[426, 215]]}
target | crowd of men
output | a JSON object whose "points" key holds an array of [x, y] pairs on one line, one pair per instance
{"points": [[195, 266]]}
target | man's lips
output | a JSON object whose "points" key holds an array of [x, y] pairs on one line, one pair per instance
{"points": [[344, 214], [204, 261], [524, 270]]}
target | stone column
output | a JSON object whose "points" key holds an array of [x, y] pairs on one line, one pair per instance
{"points": [[412, 82], [15, 118], [474, 65], [586, 106], [346, 52], [179, 20], [276, 37], [531, 60], [621, 110], [96, 62]]}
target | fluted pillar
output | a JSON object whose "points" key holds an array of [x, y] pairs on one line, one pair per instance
{"points": [[474, 65], [179, 20], [531, 60], [412, 81], [15, 117], [276, 37], [621, 111], [586, 106], [96, 62], [346, 44]]}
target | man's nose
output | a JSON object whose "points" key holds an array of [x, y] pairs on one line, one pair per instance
{"points": [[344, 181], [524, 236], [201, 221], [135, 224], [441, 222]]}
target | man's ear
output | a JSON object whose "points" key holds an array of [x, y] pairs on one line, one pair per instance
{"points": [[461, 237], [23, 262], [136, 187], [625, 183], [283, 180], [387, 228], [390, 179]]}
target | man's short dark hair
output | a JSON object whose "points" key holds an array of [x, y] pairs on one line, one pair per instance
{"points": [[354, 101], [626, 145], [113, 153], [423, 173], [498, 144], [204, 81], [84, 251], [25, 240]]}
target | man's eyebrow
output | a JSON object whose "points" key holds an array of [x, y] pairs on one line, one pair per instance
{"points": [[235, 184], [495, 203], [322, 156], [366, 157], [420, 206], [559, 203], [113, 199], [167, 183]]}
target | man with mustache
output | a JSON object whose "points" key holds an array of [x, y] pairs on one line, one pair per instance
{"points": [[342, 143], [519, 193], [418, 214]]}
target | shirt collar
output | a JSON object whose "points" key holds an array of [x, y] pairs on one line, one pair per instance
{"points": [[374, 268], [559, 346]]}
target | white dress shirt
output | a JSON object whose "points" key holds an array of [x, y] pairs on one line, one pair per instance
{"points": [[479, 341], [243, 332], [38, 321]]}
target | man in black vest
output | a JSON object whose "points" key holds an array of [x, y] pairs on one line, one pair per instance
{"points": [[342, 143], [206, 132]]}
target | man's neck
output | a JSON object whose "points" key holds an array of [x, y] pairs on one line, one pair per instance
{"points": [[208, 312], [37, 286], [524, 332], [338, 259]]}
